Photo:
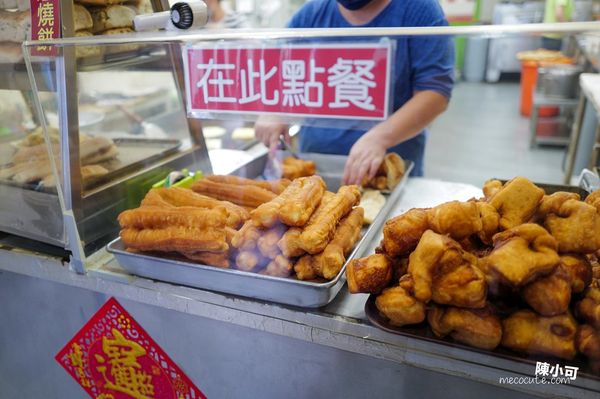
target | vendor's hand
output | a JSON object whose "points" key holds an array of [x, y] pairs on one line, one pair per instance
{"points": [[365, 158], [268, 131]]}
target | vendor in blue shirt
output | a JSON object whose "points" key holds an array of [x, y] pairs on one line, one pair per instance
{"points": [[423, 80]]}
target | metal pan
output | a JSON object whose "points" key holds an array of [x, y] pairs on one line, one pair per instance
{"points": [[134, 153], [423, 332], [289, 291]]}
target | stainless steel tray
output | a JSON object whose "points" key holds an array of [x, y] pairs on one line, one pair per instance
{"points": [[289, 291], [134, 153], [32, 211], [423, 332]]}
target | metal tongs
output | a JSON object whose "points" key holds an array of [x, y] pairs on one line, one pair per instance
{"points": [[287, 147], [273, 167]]}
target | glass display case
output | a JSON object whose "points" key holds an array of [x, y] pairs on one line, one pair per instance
{"points": [[127, 130], [117, 124]]}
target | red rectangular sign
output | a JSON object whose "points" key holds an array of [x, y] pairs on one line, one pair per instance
{"points": [[348, 81], [45, 24], [113, 357]]}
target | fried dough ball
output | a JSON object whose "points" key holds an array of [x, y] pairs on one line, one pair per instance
{"points": [[491, 187], [516, 202], [552, 203], [580, 271], [574, 224], [587, 341], [520, 255], [490, 222], [550, 295], [402, 233], [444, 272], [399, 305], [594, 199], [457, 219], [524, 331], [588, 309], [480, 328], [463, 285], [369, 275]]}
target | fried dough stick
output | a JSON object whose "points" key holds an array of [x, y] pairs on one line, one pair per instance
{"points": [[247, 196], [247, 237], [153, 217], [267, 243], [296, 209], [177, 196], [176, 239], [276, 186], [320, 229], [328, 263], [279, 267], [250, 260], [294, 168], [267, 214], [290, 242]]}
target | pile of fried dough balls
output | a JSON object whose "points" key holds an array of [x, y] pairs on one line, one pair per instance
{"points": [[517, 268]]}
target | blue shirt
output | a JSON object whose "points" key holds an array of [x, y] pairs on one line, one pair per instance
{"points": [[422, 63]]}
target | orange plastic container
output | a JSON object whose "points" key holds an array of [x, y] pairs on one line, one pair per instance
{"points": [[529, 73]]}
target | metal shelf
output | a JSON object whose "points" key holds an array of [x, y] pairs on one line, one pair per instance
{"points": [[541, 100]]}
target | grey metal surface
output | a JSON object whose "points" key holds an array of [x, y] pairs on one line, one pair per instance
{"points": [[288, 291], [240, 358], [587, 137], [33, 214], [329, 332]]}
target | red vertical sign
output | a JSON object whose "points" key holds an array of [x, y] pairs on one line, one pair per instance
{"points": [[113, 357], [45, 24]]}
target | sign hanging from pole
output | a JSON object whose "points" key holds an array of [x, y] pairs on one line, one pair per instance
{"points": [[345, 80]]}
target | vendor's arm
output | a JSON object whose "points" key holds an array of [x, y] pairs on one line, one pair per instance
{"points": [[268, 130], [407, 122], [432, 64]]}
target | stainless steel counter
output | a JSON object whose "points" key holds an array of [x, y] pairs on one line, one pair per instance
{"points": [[233, 347]]}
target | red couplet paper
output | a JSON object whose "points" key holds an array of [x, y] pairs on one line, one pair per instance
{"points": [[349, 81], [113, 357]]}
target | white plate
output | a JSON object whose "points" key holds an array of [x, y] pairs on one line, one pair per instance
{"points": [[225, 161]]}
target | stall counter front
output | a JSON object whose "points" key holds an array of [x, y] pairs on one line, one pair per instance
{"points": [[236, 347]]}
